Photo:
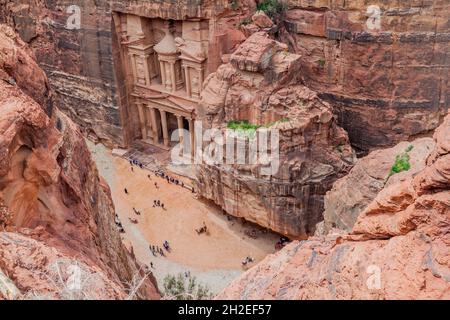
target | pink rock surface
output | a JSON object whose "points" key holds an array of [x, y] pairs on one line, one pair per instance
{"points": [[398, 248], [49, 185]]}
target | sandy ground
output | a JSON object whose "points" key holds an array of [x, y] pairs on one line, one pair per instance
{"points": [[214, 258]]}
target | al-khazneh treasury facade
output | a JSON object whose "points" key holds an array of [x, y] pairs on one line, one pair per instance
{"points": [[168, 63]]}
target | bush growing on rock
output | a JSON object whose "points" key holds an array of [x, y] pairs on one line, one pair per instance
{"points": [[181, 287]]}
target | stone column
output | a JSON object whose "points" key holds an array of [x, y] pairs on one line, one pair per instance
{"points": [[181, 132], [163, 73], [133, 67], [142, 120], [172, 75], [192, 137], [148, 121], [200, 80], [164, 128], [188, 81], [147, 70], [154, 126]]}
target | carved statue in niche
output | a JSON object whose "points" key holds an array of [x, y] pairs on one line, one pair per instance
{"points": [[193, 59], [169, 61], [189, 51]]}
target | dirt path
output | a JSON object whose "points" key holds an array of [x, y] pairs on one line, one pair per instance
{"points": [[215, 259]]}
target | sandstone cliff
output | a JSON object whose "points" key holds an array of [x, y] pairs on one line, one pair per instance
{"points": [[398, 248], [55, 211], [371, 174], [261, 85]]}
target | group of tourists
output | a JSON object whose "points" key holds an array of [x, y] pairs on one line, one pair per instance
{"points": [[203, 229], [156, 250], [158, 204], [134, 162], [247, 260], [119, 224], [171, 180]]}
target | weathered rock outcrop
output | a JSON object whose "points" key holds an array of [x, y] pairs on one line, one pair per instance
{"points": [[54, 207], [398, 248], [261, 85], [351, 194]]}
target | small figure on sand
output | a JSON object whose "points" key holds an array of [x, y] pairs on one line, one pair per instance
{"points": [[247, 261], [133, 220], [203, 229], [281, 243], [166, 245], [125, 190]]}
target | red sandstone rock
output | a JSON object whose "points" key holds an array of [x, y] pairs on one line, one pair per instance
{"points": [[351, 194], [50, 189], [261, 20], [387, 85], [398, 248], [260, 84]]}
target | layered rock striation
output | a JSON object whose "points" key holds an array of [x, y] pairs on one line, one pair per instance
{"points": [[383, 64], [371, 174]]}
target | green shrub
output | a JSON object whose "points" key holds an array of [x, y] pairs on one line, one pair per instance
{"points": [[273, 8], [401, 162], [247, 129], [321, 63], [181, 287]]}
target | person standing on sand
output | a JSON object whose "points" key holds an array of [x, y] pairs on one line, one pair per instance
{"points": [[125, 190]]}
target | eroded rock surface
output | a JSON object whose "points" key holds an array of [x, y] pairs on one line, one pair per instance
{"points": [[53, 204], [351, 194], [261, 85], [398, 248]]}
